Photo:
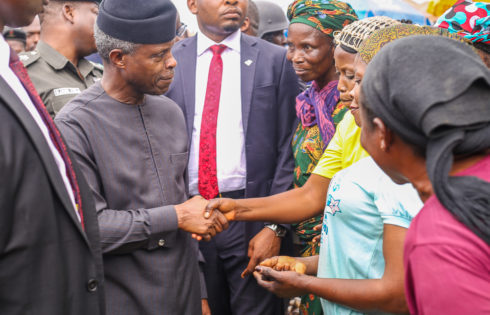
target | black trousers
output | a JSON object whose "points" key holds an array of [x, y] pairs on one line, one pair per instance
{"points": [[226, 258]]}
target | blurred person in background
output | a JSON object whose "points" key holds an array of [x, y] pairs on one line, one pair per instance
{"points": [[57, 67], [16, 38], [181, 31], [251, 24], [272, 22], [33, 33]]}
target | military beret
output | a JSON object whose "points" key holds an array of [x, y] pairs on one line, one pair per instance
{"points": [[138, 21], [14, 34]]}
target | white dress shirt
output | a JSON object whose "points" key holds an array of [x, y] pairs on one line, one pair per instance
{"points": [[13, 81], [230, 138]]}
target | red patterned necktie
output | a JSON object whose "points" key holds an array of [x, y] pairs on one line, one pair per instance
{"points": [[208, 178], [21, 72]]}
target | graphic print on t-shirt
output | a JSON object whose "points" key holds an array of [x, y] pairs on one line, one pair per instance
{"points": [[332, 206]]}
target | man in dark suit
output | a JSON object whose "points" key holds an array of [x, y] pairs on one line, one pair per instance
{"points": [[238, 94], [50, 258]]}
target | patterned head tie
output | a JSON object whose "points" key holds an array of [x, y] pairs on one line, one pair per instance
{"points": [[326, 16], [352, 36], [373, 44], [468, 19]]}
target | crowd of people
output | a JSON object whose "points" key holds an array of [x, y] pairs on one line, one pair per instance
{"points": [[311, 158]]}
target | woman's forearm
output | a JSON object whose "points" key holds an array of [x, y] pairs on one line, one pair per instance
{"points": [[292, 206], [311, 264], [362, 295]]}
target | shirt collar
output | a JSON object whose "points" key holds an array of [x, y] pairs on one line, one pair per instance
{"points": [[85, 67], [51, 55], [232, 42], [58, 61], [4, 53]]}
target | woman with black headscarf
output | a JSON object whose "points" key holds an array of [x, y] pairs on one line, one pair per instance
{"points": [[425, 111]]}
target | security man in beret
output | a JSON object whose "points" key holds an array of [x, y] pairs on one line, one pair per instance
{"points": [[16, 38], [57, 67]]}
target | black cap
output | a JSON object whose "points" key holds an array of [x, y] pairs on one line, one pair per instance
{"points": [[138, 21], [15, 34]]}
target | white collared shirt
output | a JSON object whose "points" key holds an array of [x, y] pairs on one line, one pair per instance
{"points": [[230, 138], [13, 81]]}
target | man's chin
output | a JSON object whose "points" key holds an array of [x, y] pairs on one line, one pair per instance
{"points": [[231, 27], [158, 91]]}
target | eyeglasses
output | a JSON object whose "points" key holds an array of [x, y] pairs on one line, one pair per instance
{"points": [[181, 30]]}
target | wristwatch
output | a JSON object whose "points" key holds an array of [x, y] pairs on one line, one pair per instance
{"points": [[279, 230]]}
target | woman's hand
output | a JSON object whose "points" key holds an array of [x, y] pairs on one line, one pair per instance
{"points": [[284, 284], [317, 238], [284, 263]]}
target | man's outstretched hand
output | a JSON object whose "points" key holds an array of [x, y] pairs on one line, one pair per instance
{"points": [[190, 218]]}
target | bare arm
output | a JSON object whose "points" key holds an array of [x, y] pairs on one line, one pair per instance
{"points": [[291, 206], [311, 264], [385, 294]]}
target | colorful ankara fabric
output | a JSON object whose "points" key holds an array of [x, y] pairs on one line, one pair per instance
{"points": [[373, 44], [468, 19], [323, 15], [316, 107], [308, 145]]}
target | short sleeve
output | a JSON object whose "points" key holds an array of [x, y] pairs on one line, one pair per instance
{"points": [[397, 204], [331, 161]]}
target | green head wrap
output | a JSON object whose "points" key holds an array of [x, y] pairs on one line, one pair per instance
{"points": [[323, 15]]}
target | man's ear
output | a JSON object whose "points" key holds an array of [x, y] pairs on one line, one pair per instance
{"points": [[384, 135], [192, 5], [117, 58], [68, 12], [245, 25]]}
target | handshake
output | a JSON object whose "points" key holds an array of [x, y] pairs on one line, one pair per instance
{"points": [[198, 217]]}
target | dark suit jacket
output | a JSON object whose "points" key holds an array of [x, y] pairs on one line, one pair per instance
{"points": [[48, 265], [269, 88]]}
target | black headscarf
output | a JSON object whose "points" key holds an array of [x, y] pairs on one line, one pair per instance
{"points": [[434, 92]]}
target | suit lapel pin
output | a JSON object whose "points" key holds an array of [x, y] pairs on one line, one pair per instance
{"points": [[248, 62]]}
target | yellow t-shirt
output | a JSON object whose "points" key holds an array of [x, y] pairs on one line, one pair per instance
{"points": [[343, 150]]}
